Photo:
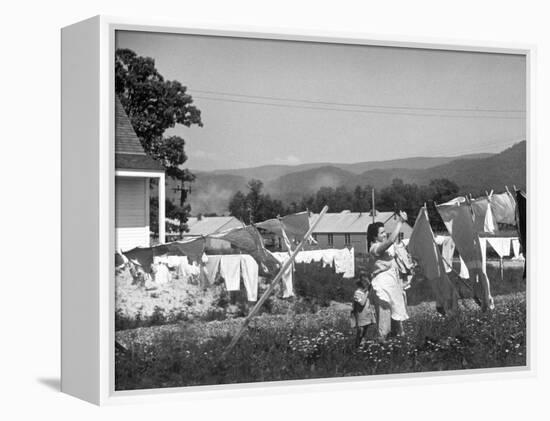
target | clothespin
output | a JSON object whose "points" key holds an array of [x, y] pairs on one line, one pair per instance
{"points": [[515, 189], [507, 189]]}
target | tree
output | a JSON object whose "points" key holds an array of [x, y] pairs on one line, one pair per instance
{"points": [[255, 206], [238, 207], [153, 105], [443, 190]]}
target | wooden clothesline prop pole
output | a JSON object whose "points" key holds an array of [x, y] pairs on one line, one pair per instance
{"points": [[271, 287]]}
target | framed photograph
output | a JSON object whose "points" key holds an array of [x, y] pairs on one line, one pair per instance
{"points": [[243, 209]]}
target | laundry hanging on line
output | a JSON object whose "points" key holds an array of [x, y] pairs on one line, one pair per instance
{"points": [[503, 206], [458, 219], [424, 250], [288, 289], [343, 260], [516, 249], [521, 218], [232, 268], [483, 216]]}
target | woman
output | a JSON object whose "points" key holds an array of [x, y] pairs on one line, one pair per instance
{"points": [[388, 294]]}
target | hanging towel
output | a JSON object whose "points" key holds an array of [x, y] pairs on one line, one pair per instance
{"points": [[503, 206], [501, 246], [447, 253], [230, 270], [212, 267], [424, 250], [249, 273]]}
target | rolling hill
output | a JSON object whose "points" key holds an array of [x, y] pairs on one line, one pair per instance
{"points": [[474, 174], [268, 173]]}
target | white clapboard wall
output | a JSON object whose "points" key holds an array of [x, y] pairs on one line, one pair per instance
{"points": [[131, 212]]}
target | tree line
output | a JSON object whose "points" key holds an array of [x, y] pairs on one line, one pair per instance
{"points": [[255, 206]]}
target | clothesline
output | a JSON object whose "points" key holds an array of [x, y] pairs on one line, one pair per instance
{"points": [[465, 218]]}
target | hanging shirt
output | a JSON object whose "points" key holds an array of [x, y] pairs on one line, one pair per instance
{"points": [[503, 206], [249, 274], [230, 270]]}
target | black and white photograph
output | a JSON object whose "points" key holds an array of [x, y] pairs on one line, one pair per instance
{"points": [[297, 210]]}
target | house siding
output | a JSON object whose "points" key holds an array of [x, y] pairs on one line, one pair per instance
{"points": [[357, 241], [131, 212]]}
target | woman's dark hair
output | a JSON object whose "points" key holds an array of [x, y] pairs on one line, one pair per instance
{"points": [[372, 233]]}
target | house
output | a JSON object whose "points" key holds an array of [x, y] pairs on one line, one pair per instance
{"points": [[133, 171], [349, 229], [205, 225]]}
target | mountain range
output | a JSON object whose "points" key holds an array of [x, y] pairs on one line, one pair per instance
{"points": [[474, 174]]}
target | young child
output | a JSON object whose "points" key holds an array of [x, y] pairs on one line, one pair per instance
{"points": [[362, 314]]}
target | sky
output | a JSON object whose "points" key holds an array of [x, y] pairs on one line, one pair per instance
{"points": [[284, 102]]}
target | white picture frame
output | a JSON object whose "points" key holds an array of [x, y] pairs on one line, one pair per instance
{"points": [[88, 210]]}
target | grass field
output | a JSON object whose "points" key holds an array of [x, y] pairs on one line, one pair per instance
{"points": [[320, 345]]}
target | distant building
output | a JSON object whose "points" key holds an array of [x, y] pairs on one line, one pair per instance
{"points": [[349, 229], [133, 170], [212, 225]]}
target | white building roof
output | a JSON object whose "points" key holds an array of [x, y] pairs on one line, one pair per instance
{"points": [[211, 224], [347, 222]]}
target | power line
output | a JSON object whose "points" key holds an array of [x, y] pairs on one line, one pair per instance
{"points": [[357, 111], [392, 107]]}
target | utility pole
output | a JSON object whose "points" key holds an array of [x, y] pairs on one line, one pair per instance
{"points": [[373, 209]]}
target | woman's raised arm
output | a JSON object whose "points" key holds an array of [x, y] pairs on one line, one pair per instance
{"points": [[382, 247]]}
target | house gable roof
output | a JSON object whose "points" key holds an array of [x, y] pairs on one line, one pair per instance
{"points": [[129, 154]]}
